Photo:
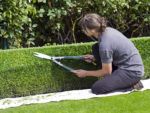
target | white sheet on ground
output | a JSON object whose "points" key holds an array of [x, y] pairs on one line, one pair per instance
{"points": [[66, 95]]}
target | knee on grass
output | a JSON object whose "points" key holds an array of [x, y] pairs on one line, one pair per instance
{"points": [[97, 90]]}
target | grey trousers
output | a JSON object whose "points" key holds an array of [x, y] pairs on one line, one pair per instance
{"points": [[119, 80]]}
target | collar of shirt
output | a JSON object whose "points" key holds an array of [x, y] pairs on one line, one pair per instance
{"points": [[99, 37]]}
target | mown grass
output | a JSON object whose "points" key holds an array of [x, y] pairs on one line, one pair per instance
{"points": [[136, 102]]}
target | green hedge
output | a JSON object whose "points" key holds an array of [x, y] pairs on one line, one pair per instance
{"points": [[21, 73], [143, 46]]}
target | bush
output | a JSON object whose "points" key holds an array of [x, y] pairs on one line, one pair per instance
{"points": [[143, 46], [16, 22], [61, 18], [22, 73], [28, 23]]}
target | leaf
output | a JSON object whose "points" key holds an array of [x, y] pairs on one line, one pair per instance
{"points": [[42, 10], [41, 15], [44, 1], [58, 25], [32, 33], [31, 39], [32, 43], [34, 25], [34, 1], [69, 3], [11, 34], [1, 18]]}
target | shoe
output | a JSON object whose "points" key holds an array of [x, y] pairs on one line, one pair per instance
{"points": [[138, 86]]}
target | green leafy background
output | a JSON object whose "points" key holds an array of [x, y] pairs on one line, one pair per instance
{"points": [[30, 23]]}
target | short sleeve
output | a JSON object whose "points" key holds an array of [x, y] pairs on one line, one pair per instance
{"points": [[106, 56]]}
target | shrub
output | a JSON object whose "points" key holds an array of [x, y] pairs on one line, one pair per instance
{"points": [[61, 18], [16, 22], [22, 73], [144, 49], [29, 23]]}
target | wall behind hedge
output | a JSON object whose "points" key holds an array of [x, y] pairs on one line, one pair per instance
{"points": [[21, 73]]}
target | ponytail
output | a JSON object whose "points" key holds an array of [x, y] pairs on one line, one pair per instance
{"points": [[93, 21]]}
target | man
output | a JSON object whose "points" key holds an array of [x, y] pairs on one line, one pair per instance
{"points": [[121, 64]]}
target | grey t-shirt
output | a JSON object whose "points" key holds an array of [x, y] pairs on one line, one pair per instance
{"points": [[115, 48]]}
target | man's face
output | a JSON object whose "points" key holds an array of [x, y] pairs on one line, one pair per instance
{"points": [[88, 32]]}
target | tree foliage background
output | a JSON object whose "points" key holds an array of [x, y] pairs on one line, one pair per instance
{"points": [[28, 23]]}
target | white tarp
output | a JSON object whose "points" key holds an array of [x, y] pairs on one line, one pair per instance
{"points": [[66, 95]]}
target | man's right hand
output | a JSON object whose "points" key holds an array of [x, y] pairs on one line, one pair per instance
{"points": [[89, 58]]}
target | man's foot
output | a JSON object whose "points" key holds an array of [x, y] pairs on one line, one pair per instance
{"points": [[138, 86]]}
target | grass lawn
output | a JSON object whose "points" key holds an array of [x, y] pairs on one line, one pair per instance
{"points": [[136, 102]]}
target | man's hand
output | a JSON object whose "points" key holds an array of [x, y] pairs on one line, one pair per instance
{"points": [[90, 58], [80, 73], [106, 70]]}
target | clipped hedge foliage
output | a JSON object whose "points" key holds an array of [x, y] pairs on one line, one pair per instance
{"points": [[143, 45], [21, 73]]}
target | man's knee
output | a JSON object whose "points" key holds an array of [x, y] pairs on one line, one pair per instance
{"points": [[98, 89], [94, 90]]}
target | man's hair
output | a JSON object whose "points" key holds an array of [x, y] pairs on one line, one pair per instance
{"points": [[93, 21]]}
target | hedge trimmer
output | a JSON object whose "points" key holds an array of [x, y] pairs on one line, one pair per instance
{"points": [[54, 59]]}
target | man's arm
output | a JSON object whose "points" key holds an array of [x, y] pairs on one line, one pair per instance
{"points": [[106, 70]]}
